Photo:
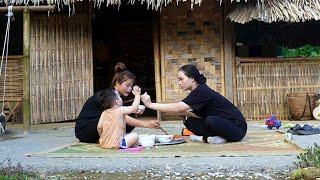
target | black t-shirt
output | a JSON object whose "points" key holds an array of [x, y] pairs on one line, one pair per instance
{"points": [[87, 121], [206, 102]]}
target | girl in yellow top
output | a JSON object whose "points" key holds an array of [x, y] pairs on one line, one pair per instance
{"points": [[112, 123]]}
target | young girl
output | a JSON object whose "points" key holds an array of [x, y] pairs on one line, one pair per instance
{"points": [[112, 123]]}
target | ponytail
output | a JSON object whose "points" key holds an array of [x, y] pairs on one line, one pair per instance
{"points": [[191, 71]]}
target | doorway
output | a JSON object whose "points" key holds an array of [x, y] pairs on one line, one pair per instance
{"points": [[123, 35]]}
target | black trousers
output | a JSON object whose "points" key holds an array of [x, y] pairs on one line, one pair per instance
{"points": [[89, 133], [216, 126]]}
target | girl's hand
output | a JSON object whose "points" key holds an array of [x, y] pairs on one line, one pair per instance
{"points": [[136, 90], [145, 98]]}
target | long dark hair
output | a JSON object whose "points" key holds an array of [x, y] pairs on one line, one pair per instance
{"points": [[121, 74], [192, 71], [106, 98]]}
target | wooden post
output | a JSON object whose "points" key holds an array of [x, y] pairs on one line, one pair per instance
{"points": [[229, 52], [222, 60], [162, 72], [26, 70], [157, 60]]}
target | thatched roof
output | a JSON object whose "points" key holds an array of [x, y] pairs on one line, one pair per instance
{"points": [[151, 4], [276, 10], [244, 10]]}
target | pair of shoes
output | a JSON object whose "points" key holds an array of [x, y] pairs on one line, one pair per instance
{"points": [[305, 130], [186, 132]]}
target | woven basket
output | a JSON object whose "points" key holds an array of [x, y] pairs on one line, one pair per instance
{"points": [[301, 105]]}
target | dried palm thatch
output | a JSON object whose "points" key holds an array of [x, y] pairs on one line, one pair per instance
{"points": [[151, 4], [276, 10]]}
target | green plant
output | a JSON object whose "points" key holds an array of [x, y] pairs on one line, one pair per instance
{"points": [[304, 51], [309, 158], [8, 171]]}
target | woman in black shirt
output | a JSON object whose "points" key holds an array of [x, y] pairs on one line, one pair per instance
{"points": [[217, 118], [87, 121]]}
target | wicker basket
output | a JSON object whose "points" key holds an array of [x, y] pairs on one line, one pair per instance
{"points": [[301, 105]]}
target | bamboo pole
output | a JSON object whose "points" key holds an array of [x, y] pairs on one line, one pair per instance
{"points": [[228, 54], [157, 60], [222, 51], [26, 70], [162, 65], [29, 8]]}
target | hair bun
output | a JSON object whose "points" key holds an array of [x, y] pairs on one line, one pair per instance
{"points": [[119, 67], [201, 79]]}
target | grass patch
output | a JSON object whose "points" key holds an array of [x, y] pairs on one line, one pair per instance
{"points": [[9, 171], [310, 157], [308, 164]]}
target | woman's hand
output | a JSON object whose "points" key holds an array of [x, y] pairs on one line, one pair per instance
{"points": [[154, 124], [145, 98]]}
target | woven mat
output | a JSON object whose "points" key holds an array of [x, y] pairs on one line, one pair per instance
{"points": [[262, 142]]}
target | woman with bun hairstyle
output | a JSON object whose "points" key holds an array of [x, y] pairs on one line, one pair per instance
{"points": [[87, 121], [218, 119]]}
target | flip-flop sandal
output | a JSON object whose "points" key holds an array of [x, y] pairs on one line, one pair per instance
{"points": [[133, 149]]}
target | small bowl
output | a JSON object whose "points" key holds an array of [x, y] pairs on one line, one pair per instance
{"points": [[147, 141], [164, 138], [142, 107]]}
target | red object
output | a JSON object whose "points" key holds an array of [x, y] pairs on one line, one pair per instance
{"points": [[186, 132]]}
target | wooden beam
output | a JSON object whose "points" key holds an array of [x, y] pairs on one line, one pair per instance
{"points": [[157, 60], [229, 51], [30, 8], [26, 70]]}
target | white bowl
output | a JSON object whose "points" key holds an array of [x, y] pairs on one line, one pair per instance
{"points": [[164, 138], [147, 141], [142, 107]]}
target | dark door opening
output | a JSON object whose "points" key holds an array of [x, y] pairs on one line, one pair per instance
{"points": [[16, 33], [123, 35], [259, 39]]}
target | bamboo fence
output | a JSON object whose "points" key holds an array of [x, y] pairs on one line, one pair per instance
{"points": [[262, 84], [61, 77]]}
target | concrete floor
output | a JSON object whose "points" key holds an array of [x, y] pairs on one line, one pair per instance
{"points": [[258, 152]]}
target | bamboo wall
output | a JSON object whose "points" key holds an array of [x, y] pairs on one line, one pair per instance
{"points": [[13, 94], [13, 80], [61, 67], [262, 84], [190, 37]]}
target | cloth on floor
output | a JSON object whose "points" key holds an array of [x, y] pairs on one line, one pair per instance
{"points": [[304, 130]]}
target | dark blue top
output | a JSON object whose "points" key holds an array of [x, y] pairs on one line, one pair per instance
{"points": [[206, 102], [87, 121]]}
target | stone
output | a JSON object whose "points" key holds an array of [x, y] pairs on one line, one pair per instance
{"points": [[310, 173]]}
